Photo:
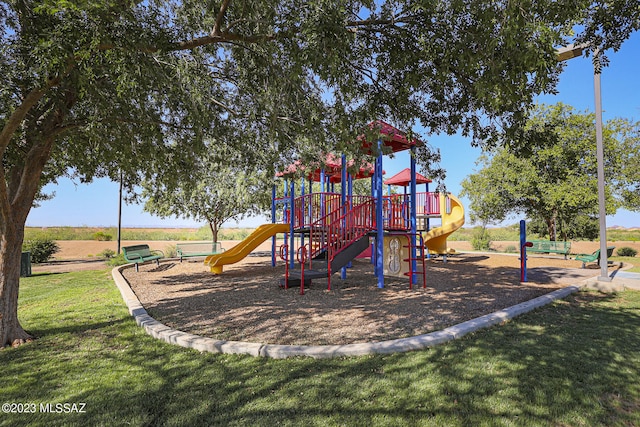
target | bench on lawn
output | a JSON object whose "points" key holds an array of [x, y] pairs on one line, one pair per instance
{"points": [[585, 258], [550, 247], [139, 254], [185, 250]]}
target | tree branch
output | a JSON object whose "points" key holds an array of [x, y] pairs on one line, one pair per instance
{"points": [[225, 37], [220, 18], [18, 116]]}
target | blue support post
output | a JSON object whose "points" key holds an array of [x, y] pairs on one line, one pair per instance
{"points": [[310, 201], [427, 225], [413, 213], [292, 252], [373, 194], [343, 194], [523, 251], [273, 221], [379, 267], [322, 191], [350, 192]]}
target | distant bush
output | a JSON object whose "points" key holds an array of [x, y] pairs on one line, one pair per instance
{"points": [[627, 251], [511, 249], [170, 251], [107, 254], [481, 239], [117, 260], [102, 237], [41, 249]]}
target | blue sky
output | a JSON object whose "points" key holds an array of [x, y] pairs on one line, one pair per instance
{"points": [[96, 204]]}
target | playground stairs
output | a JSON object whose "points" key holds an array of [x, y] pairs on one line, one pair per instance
{"points": [[320, 269], [339, 237]]}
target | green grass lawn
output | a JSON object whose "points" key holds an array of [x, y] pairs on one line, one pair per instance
{"points": [[573, 363]]}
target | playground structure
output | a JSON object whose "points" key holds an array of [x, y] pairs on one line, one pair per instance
{"points": [[244, 248], [324, 231]]}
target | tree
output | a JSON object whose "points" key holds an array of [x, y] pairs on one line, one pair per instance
{"points": [[92, 88], [220, 188], [552, 178], [630, 169]]}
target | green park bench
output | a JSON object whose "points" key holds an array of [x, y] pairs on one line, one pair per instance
{"points": [[139, 254], [198, 249], [550, 247], [585, 258]]}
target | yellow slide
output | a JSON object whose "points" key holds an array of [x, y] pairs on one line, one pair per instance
{"points": [[245, 247], [436, 239]]}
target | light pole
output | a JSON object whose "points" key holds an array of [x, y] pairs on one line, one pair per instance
{"points": [[120, 213], [564, 54]]}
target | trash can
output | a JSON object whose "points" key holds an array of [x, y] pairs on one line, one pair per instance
{"points": [[25, 264]]}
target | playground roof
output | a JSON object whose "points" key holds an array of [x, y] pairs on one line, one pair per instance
{"points": [[393, 138], [332, 168], [404, 178]]}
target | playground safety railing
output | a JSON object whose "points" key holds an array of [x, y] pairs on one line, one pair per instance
{"points": [[428, 203], [312, 207], [397, 209], [355, 224]]}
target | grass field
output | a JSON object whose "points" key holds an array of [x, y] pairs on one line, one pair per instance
{"points": [[509, 233], [110, 233], [575, 362]]}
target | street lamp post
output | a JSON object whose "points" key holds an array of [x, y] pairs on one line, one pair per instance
{"points": [[565, 54]]}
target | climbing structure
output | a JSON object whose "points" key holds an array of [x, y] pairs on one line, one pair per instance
{"points": [[328, 230]]}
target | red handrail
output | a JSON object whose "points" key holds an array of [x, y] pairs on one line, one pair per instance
{"points": [[302, 259], [312, 207], [341, 231], [284, 255], [396, 210]]}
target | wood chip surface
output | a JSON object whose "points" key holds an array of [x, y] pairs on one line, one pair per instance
{"points": [[245, 303]]}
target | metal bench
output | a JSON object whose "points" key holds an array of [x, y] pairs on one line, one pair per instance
{"points": [[139, 254], [594, 257], [198, 249], [550, 247]]}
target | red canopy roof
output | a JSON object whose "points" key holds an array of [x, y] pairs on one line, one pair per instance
{"points": [[404, 178], [393, 138], [332, 168]]}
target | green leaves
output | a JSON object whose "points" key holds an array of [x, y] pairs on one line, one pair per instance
{"points": [[217, 188], [549, 173]]}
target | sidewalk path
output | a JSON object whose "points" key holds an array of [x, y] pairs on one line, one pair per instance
{"points": [[620, 280]]}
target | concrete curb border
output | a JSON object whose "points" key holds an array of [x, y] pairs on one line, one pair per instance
{"points": [[276, 351]]}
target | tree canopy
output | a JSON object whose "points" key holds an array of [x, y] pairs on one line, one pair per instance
{"points": [[221, 188], [92, 87], [553, 178]]}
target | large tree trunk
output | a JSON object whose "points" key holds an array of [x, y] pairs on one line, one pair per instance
{"points": [[17, 194], [11, 332]]}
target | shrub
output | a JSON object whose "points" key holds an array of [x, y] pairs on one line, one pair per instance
{"points": [[627, 251], [117, 260], [510, 249], [102, 237], [41, 249], [107, 254], [171, 251], [481, 239]]}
